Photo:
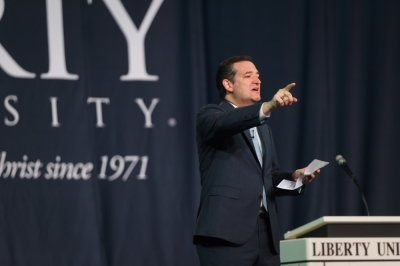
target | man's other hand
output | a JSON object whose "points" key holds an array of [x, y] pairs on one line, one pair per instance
{"points": [[307, 179]]}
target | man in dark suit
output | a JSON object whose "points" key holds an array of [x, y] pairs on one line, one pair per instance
{"points": [[237, 221]]}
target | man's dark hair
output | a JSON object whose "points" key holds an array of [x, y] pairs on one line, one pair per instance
{"points": [[227, 71]]}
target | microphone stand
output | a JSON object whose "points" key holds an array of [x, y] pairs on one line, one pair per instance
{"points": [[352, 177]]}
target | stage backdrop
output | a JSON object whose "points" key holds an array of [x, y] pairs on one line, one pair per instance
{"points": [[98, 100]]}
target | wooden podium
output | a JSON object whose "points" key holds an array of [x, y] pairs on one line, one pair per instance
{"points": [[344, 240]]}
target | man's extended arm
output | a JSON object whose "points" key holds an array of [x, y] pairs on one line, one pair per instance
{"points": [[215, 124]]}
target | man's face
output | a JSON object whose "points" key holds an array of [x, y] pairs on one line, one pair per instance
{"points": [[245, 90]]}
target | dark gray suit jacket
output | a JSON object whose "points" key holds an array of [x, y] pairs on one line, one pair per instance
{"points": [[231, 175]]}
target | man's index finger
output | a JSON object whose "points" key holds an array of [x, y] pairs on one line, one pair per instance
{"points": [[290, 86]]}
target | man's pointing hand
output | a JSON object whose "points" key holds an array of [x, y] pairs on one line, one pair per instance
{"points": [[282, 98]]}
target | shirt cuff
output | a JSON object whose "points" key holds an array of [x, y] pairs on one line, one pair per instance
{"points": [[262, 116]]}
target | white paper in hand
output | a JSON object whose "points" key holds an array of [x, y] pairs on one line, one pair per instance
{"points": [[311, 168]]}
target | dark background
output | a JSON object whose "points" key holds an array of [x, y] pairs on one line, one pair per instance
{"points": [[343, 55]]}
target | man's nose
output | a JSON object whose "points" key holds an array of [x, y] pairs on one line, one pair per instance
{"points": [[257, 80]]}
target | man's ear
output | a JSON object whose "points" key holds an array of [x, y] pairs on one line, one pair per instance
{"points": [[227, 85]]}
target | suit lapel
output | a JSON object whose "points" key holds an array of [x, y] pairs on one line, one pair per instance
{"points": [[262, 133], [247, 137], [246, 133]]}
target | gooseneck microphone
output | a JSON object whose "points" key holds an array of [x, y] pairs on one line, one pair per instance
{"points": [[342, 163]]}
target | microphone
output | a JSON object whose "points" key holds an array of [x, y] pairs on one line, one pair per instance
{"points": [[342, 162]]}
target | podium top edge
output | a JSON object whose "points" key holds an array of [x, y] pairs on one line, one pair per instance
{"points": [[324, 220]]}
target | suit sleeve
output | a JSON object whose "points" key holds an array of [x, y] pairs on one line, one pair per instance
{"points": [[215, 124]]}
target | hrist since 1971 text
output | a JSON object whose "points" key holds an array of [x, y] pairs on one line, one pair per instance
{"points": [[58, 170]]}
